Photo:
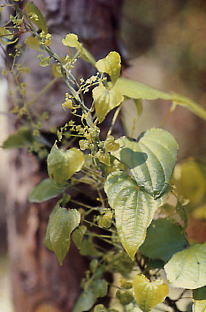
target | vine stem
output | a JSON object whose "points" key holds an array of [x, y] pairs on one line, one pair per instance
{"points": [[114, 120]]}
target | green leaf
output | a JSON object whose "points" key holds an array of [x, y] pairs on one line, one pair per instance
{"points": [[97, 289], [199, 306], [111, 65], [164, 238], [186, 269], [134, 209], [61, 224], [149, 294], [105, 100], [36, 17], [45, 190], [63, 164], [23, 137], [125, 297], [199, 293], [84, 244], [151, 159], [137, 90], [78, 235], [87, 248]]}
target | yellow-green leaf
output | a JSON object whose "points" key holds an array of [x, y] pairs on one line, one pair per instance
{"points": [[186, 269], [199, 306], [71, 40], [136, 90], [105, 100], [61, 224], [149, 294], [134, 209], [63, 164], [111, 65]]}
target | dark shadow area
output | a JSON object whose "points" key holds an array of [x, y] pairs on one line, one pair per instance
{"points": [[132, 159]]}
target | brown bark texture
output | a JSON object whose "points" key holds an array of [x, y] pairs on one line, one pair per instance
{"points": [[39, 284]]}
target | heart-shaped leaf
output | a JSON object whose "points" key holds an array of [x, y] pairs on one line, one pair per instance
{"points": [[63, 164], [111, 65], [149, 294], [61, 224], [164, 238], [134, 209], [105, 100], [186, 269], [45, 190], [151, 159]]}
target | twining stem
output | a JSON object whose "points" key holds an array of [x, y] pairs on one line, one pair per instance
{"points": [[114, 120]]}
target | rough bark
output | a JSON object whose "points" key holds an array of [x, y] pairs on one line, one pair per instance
{"points": [[39, 283]]}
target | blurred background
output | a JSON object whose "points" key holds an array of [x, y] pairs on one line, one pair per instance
{"points": [[165, 45]]}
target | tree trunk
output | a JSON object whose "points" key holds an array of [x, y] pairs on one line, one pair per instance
{"points": [[39, 284]]}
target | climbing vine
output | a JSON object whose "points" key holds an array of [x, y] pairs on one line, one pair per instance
{"points": [[134, 227]]}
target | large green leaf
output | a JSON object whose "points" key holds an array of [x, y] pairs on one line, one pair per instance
{"points": [[63, 164], [199, 306], [137, 90], [186, 269], [61, 224], [134, 209], [151, 159], [45, 190], [105, 100], [148, 294], [199, 293], [97, 289], [164, 238], [22, 138]]}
